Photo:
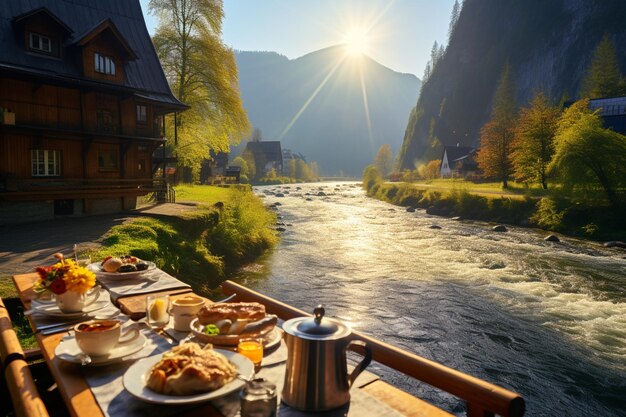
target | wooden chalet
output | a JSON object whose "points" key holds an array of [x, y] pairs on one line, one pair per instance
{"points": [[82, 104], [458, 162], [267, 156]]}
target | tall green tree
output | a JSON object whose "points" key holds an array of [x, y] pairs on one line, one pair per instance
{"points": [[497, 134], [454, 17], [603, 77], [384, 160], [533, 144], [202, 73], [585, 153]]}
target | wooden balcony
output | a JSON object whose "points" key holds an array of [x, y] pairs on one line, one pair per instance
{"points": [[68, 188]]}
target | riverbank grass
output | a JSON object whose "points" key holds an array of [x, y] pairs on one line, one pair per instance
{"points": [[583, 214], [228, 228]]}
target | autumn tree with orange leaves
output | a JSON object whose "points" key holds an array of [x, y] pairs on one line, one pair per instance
{"points": [[497, 134]]}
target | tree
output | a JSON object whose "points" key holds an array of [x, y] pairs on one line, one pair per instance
{"points": [[497, 134], [202, 73], [257, 135], [603, 78], [248, 156], [431, 170], [384, 160], [585, 153], [454, 17], [241, 163], [533, 144]]}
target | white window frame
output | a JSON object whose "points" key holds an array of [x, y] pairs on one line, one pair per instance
{"points": [[142, 113], [45, 163], [40, 43], [103, 64]]}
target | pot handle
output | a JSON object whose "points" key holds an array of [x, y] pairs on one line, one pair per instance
{"points": [[367, 359]]}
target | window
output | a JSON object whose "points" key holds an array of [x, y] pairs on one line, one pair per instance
{"points": [[40, 43], [103, 64], [45, 163], [108, 160], [142, 114], [105, 121]]}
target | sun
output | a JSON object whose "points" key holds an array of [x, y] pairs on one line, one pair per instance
{"points": [[356, 42]]}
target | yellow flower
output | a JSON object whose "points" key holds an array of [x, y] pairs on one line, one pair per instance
{"points": [[78, 278]]}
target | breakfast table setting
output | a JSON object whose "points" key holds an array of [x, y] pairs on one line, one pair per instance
{"points": [[188, 355]]}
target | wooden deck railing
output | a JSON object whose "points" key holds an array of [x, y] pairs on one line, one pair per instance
{"points": [[17, 376], [483, 398]]}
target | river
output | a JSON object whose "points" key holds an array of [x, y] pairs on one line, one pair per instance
{"points": [[547, 320]]}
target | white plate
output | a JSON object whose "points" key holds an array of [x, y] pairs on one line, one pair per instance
{"points": [[51, 309], [96, 268], [136, 376], [233, 339], [69, 351]]}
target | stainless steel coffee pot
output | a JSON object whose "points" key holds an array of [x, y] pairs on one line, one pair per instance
{"points": [[317, 377]]}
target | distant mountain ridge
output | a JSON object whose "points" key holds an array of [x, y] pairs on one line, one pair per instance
{"points": [[548, 44], [314, 105]]}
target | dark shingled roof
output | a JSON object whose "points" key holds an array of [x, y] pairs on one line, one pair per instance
{"points": [[143, 75], [270, 150]]}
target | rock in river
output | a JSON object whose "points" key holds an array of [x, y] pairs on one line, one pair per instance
{"points": [[500, 228], [551, 238]]}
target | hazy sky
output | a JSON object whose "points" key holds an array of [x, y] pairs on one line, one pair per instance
{"points": [[397, 33]]}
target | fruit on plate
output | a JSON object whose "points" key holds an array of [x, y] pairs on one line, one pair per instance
{"points": [[126, 263]]}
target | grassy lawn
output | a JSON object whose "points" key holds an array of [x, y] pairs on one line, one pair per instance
{"points": [[202, 245], [8, 293], [485, 189], [204, 193]]}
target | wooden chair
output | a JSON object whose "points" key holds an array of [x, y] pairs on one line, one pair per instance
{"points": [[483, 398], [18, 378]]}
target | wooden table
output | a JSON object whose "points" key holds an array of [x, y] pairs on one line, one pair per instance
{"points": [[81, 402]]}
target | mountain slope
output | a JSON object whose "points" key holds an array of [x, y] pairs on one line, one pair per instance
{"points": [[548, 44], [315, 105]]}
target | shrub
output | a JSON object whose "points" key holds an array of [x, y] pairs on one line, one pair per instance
{"points": [[548, 214]]}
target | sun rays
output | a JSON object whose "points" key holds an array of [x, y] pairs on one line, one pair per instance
{"points": [[356, 35]]}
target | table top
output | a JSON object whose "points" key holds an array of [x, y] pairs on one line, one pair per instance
{"points": [[81, 402]]}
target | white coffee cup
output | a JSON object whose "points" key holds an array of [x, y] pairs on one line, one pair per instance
{"points": [[184, 310], [98, 337]]}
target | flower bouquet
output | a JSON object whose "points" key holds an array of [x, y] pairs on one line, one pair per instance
{"points": [[68, 281]]}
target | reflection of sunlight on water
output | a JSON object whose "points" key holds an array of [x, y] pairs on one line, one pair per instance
{"points": [[463, 294]]}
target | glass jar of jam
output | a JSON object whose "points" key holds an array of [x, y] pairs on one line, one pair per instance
{"points": [[258, 399]]}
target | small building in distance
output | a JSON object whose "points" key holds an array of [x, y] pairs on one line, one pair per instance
{"points": [[214, 168], [612, 111], [83, 98], [288, 155], [458, 162], [267, 156]]}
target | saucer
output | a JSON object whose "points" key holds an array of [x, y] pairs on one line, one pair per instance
{"points": [[50, 309], [69, 351]]}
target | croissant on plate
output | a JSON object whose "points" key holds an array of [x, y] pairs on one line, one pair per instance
{"points": [[189, 369]]}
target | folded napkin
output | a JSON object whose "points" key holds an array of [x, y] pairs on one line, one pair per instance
{"points": [[151, 281]]}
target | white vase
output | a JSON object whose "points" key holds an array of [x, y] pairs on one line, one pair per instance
{"points": [[70, 301]]}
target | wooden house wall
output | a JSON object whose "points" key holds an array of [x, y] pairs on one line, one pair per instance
{"points": [[41, 105], [55, 107]]}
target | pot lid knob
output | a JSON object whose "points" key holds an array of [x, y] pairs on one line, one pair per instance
{"points": [[317, 326]]}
